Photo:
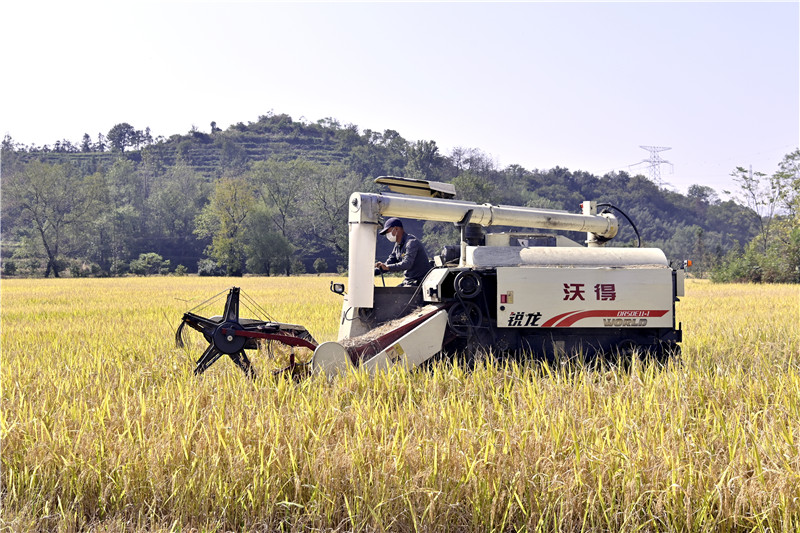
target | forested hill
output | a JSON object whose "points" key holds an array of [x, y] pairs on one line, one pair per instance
{"points": [[270, 197]]}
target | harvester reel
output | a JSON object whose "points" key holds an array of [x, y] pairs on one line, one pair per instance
{"points": [[229, 335]]}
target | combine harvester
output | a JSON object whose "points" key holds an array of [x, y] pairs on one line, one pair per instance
{"points": [[538, 294]]}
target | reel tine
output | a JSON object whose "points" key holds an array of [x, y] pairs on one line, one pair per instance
{"points": [[232, 306], [206, 353], [179, 335], [207, 359], [243, 362]]}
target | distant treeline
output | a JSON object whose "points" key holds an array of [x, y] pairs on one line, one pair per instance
{"points": [[270, 197]]}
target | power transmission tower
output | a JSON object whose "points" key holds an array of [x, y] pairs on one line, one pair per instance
{"points": [[655, 161]]}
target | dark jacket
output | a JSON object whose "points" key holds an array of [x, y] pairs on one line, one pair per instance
{"points": [[409, 255]]}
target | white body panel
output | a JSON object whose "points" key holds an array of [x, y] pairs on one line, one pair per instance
{"points": [[496, 256], [432, 284], [349, 323], [584, 297], [680, 278], [413, 348], [361, 263], [330, 358]]}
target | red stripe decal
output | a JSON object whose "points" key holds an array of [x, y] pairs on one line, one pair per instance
{"points": [[626, 313], [550, 322], [289, 340]]}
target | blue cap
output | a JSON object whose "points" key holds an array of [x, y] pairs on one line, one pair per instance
{"points": [[391, 223]]}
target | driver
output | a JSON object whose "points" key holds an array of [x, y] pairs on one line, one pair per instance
{"points": [[408, 254]]}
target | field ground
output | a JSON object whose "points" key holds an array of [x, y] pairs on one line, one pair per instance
{"points": [[105, 428]]}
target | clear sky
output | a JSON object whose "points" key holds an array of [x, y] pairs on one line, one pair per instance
{"points": [[576, 85]]}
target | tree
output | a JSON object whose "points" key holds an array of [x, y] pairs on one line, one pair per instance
{"points": [[279, 185], [148, 264], [761, 194], [475, 161], [787, 222], [774, 254], [10, 161], [54, 200], [86, 143], [306, 202], [327, 190], [396, 153], [223, 219], [267, 250], [120, 220], [174, 206], [424, 161], [232, 156], [320, 265], [474, 188], [703, 193], [122, 135], [788, 184]]}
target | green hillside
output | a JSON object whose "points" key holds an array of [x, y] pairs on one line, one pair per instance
{"points": [[286, 183]]}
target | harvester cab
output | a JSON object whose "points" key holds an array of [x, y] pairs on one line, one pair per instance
{"points": [[511, 291]]}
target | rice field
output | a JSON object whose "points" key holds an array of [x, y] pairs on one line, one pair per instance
{"points": [[105, 428]]}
